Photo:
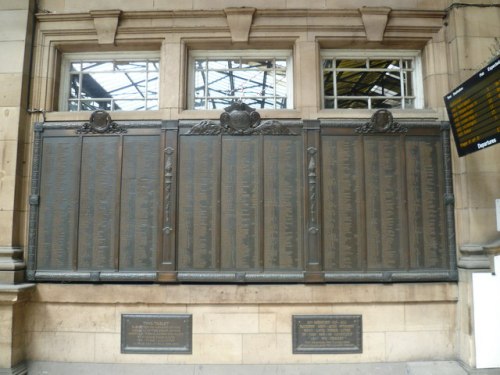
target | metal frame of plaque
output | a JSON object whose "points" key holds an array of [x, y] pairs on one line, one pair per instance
{"points": [[156, 334], [327, 334]]}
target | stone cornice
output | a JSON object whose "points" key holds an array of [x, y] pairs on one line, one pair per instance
{"points": [[273, 20]]}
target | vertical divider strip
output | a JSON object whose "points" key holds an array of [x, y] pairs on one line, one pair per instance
{"points": [[168, 160], [313, 231], [34, 200]]}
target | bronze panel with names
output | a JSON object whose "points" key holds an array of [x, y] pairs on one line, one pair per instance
{"points": [[384, 203], [99, 196], [427, 222], [156, 334], [283, 208], [57, 230], [139, 202], [240, 203], [343, 195], [327, 334], [198, 207]]}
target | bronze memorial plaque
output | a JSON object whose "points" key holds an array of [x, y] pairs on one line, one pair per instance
{"points": [[156, 334], [327, 334]]}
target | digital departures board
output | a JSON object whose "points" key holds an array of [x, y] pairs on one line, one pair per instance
{"points": [[474, 110]]}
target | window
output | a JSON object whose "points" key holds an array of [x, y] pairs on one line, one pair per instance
{"points": [[371, 80], [115, 82], [260, 79]]}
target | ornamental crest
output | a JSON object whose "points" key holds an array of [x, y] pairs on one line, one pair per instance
{"points": [[381, 122], [100, 123], [240, 119]]}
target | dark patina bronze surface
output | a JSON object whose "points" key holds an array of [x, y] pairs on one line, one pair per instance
{"points": [[156, 334], [327, 334]]}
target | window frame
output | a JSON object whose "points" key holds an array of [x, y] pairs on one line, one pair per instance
{"points": [[130, 56], [239, 54], [417, 76]]}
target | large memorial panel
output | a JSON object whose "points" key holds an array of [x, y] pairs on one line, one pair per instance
{"points": [[283, 209], [139, 212], [99, 197], [426, 213], [241, 200], [198, 206], [57, 237], [343, 197], [240, 203], [385, 228]]}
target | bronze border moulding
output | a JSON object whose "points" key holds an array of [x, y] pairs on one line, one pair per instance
{"points": [[240, 119], [100, 123]]}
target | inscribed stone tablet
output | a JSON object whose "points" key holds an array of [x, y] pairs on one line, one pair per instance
{"points": [[327, 334], [156, 334]]}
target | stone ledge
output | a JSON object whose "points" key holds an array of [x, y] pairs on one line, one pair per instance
{"points": [[246, 294], [391, 368], [12, 293]]}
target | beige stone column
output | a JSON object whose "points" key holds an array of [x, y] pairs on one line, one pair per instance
{"points": [[306, 84], [12, 332], [471, 39], [16, 18]]}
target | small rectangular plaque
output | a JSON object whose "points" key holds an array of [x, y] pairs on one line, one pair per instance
{"points": [[156, 334], [327, 334]]}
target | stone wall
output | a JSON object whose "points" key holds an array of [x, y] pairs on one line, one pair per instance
{"points": [[242, 324], [81, 323]]}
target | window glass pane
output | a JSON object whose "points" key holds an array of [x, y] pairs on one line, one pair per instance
{"points": [[280, 84], [384, 64], [129, 82], [199, 103], [256, 81], [92, 86], [129, 105], [153, 85], [199, 83], [153, 66], [386, 103], [352, 103], [328, 83], [75, 66], [327, 64], [349, 83], [221, 64], [200, 64], [351, 64], [152, 105], [410, 103], [281, 64], [131, 66], [408, 83], [281, 103], [251, 64], [329, 103], [371, 82], [93, 105], [97, 66], [386, 84], [73, 105], [221, 83], [219, 103], [74, 86]]}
